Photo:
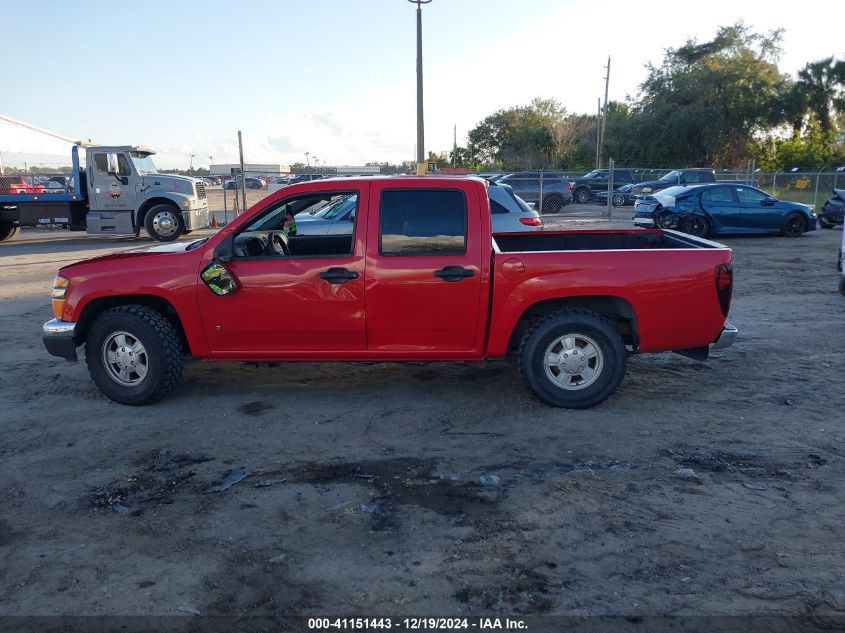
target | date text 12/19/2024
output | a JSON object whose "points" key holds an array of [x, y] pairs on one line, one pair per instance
{"points": [[416, 624]]}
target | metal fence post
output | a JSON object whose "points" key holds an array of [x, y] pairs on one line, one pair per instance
{"points": [[541, 191], [774, 184], [610, 190], [225, 210], [816, 194]]}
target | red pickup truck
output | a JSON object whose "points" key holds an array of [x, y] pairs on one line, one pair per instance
{"points": [[421, 278]]}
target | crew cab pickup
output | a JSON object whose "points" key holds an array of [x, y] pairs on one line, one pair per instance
{"points": [[421, 278]]}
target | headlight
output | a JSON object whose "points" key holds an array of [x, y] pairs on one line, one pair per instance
{"points": [[60, 286], [646, 189]]}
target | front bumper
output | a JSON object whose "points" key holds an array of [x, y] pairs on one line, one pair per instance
{"points": [[58, 338], [726, 338], [196, 218]]}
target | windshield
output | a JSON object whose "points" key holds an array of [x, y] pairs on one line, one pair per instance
{"points": [[593, 174], [672, 175], [143, 163]]}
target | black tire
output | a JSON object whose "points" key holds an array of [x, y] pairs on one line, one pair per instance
{"points": [[553, 203], [618, 200], [842, 286], [584, 325], [162, 354], [581, 195], [164, 222], [696, 225], [793, 225], [825, 224], [8, 231]]}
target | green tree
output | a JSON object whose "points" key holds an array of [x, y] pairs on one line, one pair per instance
{"points": [[705, 102], [820, 90]]}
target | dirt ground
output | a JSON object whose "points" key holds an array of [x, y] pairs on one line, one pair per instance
{"points": [[697, 488]]}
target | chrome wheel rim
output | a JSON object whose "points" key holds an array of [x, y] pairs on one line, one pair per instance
{"points": [[618, 201], [165, 223], [125, 359], [573, 361]]}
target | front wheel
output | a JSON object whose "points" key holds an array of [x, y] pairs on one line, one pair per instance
{"points": [[825, 224], [164, 223], [133, 355], [618, 200], [573, 359], [8, 231], [794, 225]]}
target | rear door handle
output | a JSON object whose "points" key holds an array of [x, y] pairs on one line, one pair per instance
{"points": [[454, 273], [338, 275]]}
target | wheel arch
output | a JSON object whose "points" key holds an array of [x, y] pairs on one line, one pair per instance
{"points": [[149, 204], [95, 307], [617, 310]]}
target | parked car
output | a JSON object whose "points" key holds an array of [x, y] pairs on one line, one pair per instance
{"points": [[305, 178], [18, 184], [588, 186], [833, 211], [622, 197], [278, 182], [721, 208], [422, 278], [673, 178], [509, 213], [251, 183], [557, 190]]}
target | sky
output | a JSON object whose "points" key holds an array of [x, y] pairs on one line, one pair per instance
{"points": [[337, 78]]}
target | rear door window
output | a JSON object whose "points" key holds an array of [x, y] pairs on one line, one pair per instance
{"points": [[717, 194], [423, 222]]}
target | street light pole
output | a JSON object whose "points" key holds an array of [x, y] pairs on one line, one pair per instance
{"points": [[421, 164], [307, 163], [191, 166]]}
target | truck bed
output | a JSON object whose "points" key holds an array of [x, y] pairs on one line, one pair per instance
{"points": [[598, 240], [664, 279]]}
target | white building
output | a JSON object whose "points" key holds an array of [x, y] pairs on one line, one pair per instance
{"points": [[249, 168]]}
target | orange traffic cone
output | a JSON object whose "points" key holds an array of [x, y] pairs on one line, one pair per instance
{"points": [[214, 224]]}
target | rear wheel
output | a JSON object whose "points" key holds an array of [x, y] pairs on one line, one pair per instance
{"points": [[573, 359], [553, 203], [8, 231], [696, 225], [133, 355], [582, 195], [825, 224], [164, 223], [794, 225], [618, 200]]}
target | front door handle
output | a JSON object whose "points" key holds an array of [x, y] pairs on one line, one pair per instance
{"points": [[338, 275], [454, 273]]}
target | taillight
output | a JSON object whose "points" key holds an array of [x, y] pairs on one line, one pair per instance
{"points": [[569, 186], [724, 286], [531, 221]]}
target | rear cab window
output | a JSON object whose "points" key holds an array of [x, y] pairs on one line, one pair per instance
{"points": [[422, 222]]}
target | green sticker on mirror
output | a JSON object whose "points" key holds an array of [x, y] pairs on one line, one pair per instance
{"points": [[218, 279]]}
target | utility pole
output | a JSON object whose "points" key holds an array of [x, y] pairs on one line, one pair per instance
{"points": [[421, 162], [243, 175], [598, 135], [307, 163], [191, 166], [604, 114], [454, 143]]}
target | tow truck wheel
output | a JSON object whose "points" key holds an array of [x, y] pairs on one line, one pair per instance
{"points": [[164, 223], [573, 359], [8, 231], [133, 355]]}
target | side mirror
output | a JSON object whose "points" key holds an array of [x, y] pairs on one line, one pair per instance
{"points": [[113, 167], [351, 217], [218, 279], [225, 250]]}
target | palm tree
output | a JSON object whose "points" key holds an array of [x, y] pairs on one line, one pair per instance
{"points": [[821, 86]]}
